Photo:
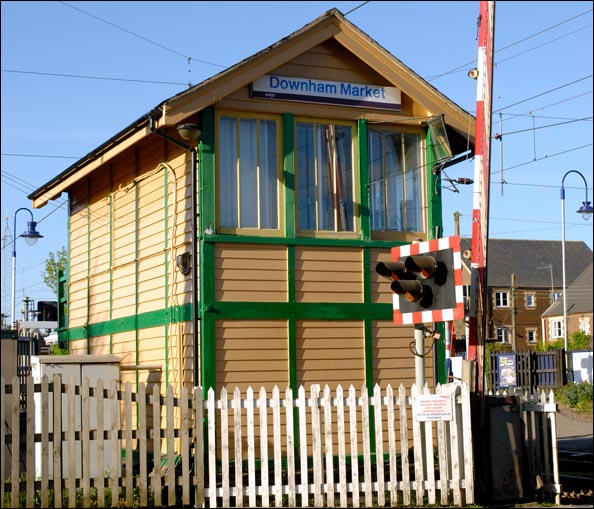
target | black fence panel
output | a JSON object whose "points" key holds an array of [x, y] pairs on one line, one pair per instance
{"points": [[529, 370]]}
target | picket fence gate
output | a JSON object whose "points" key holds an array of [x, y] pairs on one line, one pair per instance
{"points": [[82, 446]]}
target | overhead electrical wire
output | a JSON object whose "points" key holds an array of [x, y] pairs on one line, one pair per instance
{"points": [[543, 93], [141, 37], [549, 125], [80, 76], [463, 67]]}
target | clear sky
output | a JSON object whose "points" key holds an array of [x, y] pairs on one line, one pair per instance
{"points": [[76, 73]]}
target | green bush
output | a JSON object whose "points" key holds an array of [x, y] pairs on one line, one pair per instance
{"points": [[578, 396], [580, 341]]}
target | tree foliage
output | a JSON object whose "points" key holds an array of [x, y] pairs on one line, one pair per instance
{"points": [[55, 262]]}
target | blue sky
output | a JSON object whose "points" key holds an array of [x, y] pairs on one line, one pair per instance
{"points": [[75, 73]]}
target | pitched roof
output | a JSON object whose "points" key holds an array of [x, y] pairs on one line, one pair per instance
{"points": [[531, 262], [579, 296], [331, 25]]}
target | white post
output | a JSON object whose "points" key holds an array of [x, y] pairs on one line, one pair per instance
{"points": [[448, 345], [12, 316], [563, 272], [419, 359]]}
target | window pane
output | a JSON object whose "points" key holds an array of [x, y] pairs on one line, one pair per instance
{"points": [[325, 181], [344, 170], [324, 140], [395, 161], [414, 188], [268, 175], [248, 174], [394, 183], [377, 194], [228, 172], [306, 180]]}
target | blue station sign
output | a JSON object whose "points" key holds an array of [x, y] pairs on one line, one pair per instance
{"points": [[344, 93]]}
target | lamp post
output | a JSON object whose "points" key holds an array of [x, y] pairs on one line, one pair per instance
{"points": [[586, 211], [30, 235]]}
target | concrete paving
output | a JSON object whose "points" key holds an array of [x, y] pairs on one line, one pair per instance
{"points": [[574, 430]]}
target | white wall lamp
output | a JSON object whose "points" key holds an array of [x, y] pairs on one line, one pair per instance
{"points": [[189, 132], [31, 236]]}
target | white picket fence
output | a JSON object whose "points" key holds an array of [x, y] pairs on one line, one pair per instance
{"points": [[83, 446]]}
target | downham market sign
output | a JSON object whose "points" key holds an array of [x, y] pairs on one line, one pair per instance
{"points": [[329, 92]]}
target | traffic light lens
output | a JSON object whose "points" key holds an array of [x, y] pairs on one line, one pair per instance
{"points": [[393, 270]]}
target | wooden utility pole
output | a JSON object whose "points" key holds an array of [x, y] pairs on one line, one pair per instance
{"points": [[513, 312]]}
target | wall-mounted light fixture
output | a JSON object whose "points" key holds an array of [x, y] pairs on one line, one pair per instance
{"points": [[183, 263], [439, 139], [31, 236], [189, 132]]}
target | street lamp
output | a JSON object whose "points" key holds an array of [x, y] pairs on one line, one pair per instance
{"points": [[586, 211], [30, 235]]}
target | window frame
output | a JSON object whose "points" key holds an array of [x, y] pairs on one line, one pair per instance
{"points": [[534, 332], [585, 325], [402, 234], [505, 332], [556, 329], [498, 296], [530, 296], [238, 116], [356, 217]]}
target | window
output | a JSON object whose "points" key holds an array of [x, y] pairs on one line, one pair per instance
{"points": [[466, 296], [585, 325], [503, 334], [395, 181], [556, 329], [530, 300], [248, 173], [325, 177], [531, 336], [501, 299], [556, 295]]}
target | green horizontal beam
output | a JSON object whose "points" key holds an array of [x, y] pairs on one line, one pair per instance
{"points": [[238, 311], [132, 323], [302, 241]]}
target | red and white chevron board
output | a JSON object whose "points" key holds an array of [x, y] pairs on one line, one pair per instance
{"points": [[432, 315]]}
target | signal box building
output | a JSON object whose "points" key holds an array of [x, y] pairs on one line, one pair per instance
{"points": [[246, 255]]}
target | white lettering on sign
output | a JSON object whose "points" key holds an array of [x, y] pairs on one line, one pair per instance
{"points": [[329, 92], [433, 407]]}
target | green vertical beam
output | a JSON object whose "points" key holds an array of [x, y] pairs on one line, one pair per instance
{"points": [[291, 322], [368, 345], [434, 202], [63, 287], [288, 137], [289, 173], [206, 209], [435, 220], [364, 215]]}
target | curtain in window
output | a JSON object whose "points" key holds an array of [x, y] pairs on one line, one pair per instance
{"points": [[248, 173]]}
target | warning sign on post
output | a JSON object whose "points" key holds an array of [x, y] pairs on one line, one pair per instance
{"points": [[433, 407]]}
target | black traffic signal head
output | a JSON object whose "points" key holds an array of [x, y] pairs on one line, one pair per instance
{"points": [[47, 311], [414, 291], [393, 270], [427, 267], [426, 280]]}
